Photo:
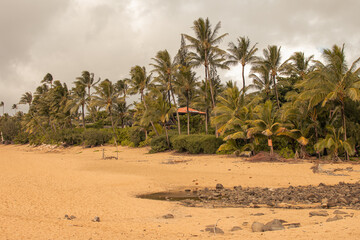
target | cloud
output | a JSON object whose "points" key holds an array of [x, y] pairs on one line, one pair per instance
{"points": [[108, 37]]}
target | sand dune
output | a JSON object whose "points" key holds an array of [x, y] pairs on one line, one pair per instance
{"points": [[38, 186]]}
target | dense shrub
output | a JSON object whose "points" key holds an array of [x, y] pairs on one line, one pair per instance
{"points": [[159, 144], [95, 137], [136, 135], [196, 144], [122, 134], [10, 127], [286, 153], [22, 138]]}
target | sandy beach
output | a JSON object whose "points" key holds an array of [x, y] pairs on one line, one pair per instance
{"points": [[39, 186]]}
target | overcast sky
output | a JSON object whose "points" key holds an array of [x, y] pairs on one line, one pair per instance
{"points": [[108, 37]]}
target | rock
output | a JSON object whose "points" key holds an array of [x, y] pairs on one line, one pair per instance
{"points": [[96, 219], [292, 225], [219, 186], [339, 212], [69, 217], [235, 228], [274, 225], [213, 229], [337, 217], [245, 223], [258, 214], [168, 216], [188, 216], [318, 213], [257, 227]]}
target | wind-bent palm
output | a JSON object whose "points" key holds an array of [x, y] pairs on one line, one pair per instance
{"points": [[77, 100], [87, 79], [48, 79], [26, 98], [166, 70], [242, 53], [299, 65]]}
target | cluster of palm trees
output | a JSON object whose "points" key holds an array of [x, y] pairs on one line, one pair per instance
{"points": [[301, 100]]}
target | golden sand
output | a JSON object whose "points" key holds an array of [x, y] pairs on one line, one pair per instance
{"points": [[38, 186]]}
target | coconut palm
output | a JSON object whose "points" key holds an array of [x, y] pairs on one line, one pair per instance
{"points": [[272, 61], [166, 70], [26, 98], [77, 100], [262, 82], [299, 65], [48, 79], [334, 144], [266, 123], [206, 49], [139, 84], [87, 79], [333, 82], [242, 53], [186, 86], [107, 97]]}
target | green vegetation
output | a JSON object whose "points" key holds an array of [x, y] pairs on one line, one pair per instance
{"points": [[298, 106]]}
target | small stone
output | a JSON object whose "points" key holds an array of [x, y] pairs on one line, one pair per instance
{"points": [[318, 213], [96, 219], [235, 228], [257, 227], [188, 216], [168, 216], [337, 217], [339, 212], [245, 223], [219, 186], [213, 229], [292, 225], [273, 225], [258, 214]]}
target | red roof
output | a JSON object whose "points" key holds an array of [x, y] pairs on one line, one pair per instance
{"points": [[191, 110]]}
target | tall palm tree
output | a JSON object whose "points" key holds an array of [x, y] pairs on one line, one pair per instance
{"points": [[87, 79], [206, 49], [262, 82], [107, 97], [77, 100], [299, 65], [26, 98], [139, 83], [272, 60], [48, 79], [242, 53], [186, 85], [14, 107], [166, 70]]}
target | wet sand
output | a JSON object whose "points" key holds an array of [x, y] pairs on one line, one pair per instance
{"points": [[38, 186]]}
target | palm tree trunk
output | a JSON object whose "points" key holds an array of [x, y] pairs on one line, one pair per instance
{"points": [[177, 113], [344, 126], [115, 137], [188, 114], [243, 78], [206, 120], [276, 92], [167, 136], [271, 146], [83, 114]]}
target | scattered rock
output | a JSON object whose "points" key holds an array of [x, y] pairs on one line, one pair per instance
{"points": [[69, 217], [257, 227], [188, 216], [257, 214], [318, 213], [235, 228], [245, 223], [168, 216], [339, 212], [213, 229], [219, 186], [337, 217], [292, 225], [273, 225], [96, 219]]}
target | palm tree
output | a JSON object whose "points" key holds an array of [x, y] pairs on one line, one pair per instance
{"points": [[333, 142], [48, 79], [166, 70], [87, 79], [26, 98], [14, 107], [262, 82], [299, 65], [2, 105], [266, 123], [107, 97], [272, 60], [77, 100], [207, 52], [186, 85], [242, 53], [333, 82], [139, 83]]}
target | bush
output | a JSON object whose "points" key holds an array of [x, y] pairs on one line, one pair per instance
{"points": [[136, 135], [22, 138], [196, 144], [125, 143], [94, 137], [159, 144], [145, 143], [286, 153], [122, 134]]}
